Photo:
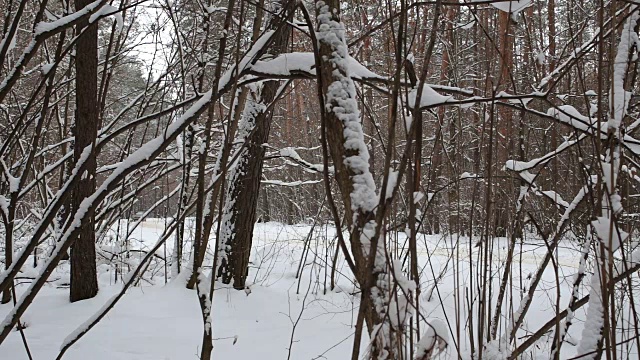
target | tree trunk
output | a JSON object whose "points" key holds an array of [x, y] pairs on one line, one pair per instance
{"points": [[239, 213], [84, 282], [504, 146], [446, 78], [8, 252], [345, 145]]}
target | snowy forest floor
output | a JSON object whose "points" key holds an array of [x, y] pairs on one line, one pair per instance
{"points": [[281, 317]]}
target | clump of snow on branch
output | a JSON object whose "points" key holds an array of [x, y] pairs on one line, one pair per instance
{"points": [[513, 7], [304, 62], [109, 10], [428, 97], [435, 339]]}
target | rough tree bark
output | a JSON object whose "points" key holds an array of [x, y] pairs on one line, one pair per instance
{"points": [[84, 282], [345, 145], [504, 132], [239, 213]]}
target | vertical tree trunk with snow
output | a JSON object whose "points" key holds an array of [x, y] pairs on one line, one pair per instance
{"points": [[346, 146], [239, 213], [84, 283], [599, 332], [186, 153]]}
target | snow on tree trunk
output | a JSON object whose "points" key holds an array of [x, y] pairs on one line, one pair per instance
{"points": [[609, 236], [350, 156], [239, 212], [592, 333], [239, 196], [186, 143]]}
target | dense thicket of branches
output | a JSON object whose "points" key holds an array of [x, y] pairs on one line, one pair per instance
{"points": [[478, 121]]}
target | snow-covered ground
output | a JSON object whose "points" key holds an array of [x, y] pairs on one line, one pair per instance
{"points": [[281, 316]]}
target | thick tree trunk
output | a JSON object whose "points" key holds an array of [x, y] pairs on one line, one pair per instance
{"points": [[241, 202], [239, 214], [84, 283], [348, 151]]}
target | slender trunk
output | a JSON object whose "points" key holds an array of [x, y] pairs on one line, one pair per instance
{"points": [[84, 282], [8, 251]]}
